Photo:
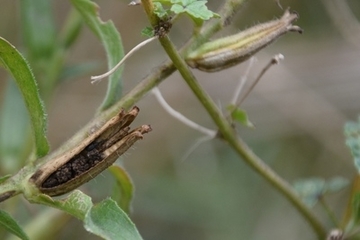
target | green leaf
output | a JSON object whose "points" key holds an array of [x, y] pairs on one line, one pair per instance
{"points": [[4, 178], [39, 29], [71, 29], [11, 225], [196, 9], [147, 32], [111, 40], [352, 134], [163, 1], [78, 70], [336, 184], [16, 65], [310, 190], [123, 193], [14, 128], [46, 224], [159, 10], [108, 221], [356, 208], [240, 116], [76, 204]]}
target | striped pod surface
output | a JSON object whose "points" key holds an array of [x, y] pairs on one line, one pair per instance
{"points": [[228, 51], [92, 156]]}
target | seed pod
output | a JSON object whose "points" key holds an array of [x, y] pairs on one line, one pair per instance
{"points": [[92, 156], [229, 51]]}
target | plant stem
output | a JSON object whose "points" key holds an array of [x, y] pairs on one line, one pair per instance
{"points": [[329, 212], [238, 144], [8, 190], [230, 136]]}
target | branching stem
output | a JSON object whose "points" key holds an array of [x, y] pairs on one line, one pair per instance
{"points": [[230, 136], [180, 117]]}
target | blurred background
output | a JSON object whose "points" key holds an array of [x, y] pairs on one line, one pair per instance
{"points": [[299, 109]]}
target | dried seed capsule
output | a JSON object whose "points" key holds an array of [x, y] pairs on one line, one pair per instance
{"points": [[92, 156], [229, 51]]}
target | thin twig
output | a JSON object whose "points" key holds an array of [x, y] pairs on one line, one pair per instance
{"points": [[131, 52], [180, 117], [197, 143], [230, 136], [242, 81], [275, 60], [157, 76]]}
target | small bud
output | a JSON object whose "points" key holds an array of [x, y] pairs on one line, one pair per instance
{"points": [[92, 156], [229, 51]]}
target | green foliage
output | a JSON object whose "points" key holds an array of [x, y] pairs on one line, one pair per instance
{"points": [[39, 33], [124, 189], [42, 50], [76, 204], [108, 221], [46, 51], [17, 66], [4, 178], [110, 38], [311, 190], [160, 10], [147, 32], [11, 225], [356, 208], [352, 134], [195, 9], [14, 128], [240, 116]]}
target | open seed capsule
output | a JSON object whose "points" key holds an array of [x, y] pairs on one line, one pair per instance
{"points": [[92, 156]]}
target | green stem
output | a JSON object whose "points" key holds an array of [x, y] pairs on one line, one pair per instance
{"points": [[230, 136], [238, 144], [329, 212], [8, 189]]}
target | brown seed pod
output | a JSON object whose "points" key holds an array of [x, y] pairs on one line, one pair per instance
{"points": [[92, 156]]}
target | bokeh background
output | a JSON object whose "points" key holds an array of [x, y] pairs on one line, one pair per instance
{"points": [[299, 109]]}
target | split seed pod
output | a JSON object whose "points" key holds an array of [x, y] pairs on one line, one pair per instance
{"points": [[92, 156], [229, 51]]}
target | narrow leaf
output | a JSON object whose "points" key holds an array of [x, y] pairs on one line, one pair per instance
{"points": [[352, 134], [356, 208], [39, 29], [17, 66], [11, 225], [124, 190], [111, 40], [108, 221], [76, 204], [4, 178], [14, 128]]}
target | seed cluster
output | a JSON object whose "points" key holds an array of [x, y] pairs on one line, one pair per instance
{"points": [[79, 164]]}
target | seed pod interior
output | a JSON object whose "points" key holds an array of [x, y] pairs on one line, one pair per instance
{"points": [[93, 155]]}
